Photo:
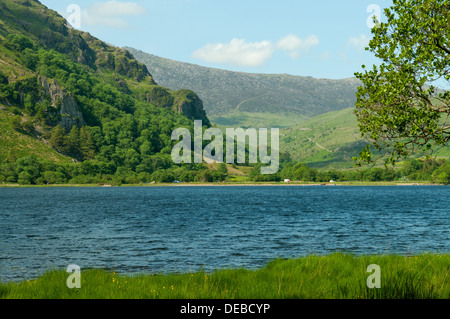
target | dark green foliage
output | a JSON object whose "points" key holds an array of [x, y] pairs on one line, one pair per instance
{"points": [[220, 174], [160, 96], [28, 170], [128, 125], [73, 141], [29, 59], [442, 174], [124, 131], [58, 139], [32, 171], [18, 42], [86, 143], [373, 175], [8, 173]]}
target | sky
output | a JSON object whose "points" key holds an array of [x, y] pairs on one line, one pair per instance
{"points": [[322, 39]]}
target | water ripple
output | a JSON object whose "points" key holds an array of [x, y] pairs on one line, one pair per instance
{"points": [[178, 229]]}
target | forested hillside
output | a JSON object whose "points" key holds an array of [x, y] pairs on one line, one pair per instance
{"points": [[74, 109], [80, 110]]}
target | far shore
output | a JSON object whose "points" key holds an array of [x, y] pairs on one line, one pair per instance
{"points": [[218, 184]]}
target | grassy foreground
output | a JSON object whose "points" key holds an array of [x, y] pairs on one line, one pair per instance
{"points": [[314, 277]]}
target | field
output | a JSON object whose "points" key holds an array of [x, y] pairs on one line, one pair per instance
{"points": [[335, 276]]}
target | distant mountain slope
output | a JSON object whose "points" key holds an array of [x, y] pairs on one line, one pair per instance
{"points": [[224, 91]]}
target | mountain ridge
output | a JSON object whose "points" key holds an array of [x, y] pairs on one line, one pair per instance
{"points": [[224, 91]]}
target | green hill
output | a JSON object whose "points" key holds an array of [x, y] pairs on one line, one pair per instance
{"points": [[330, 140], [75, 109], [315, 115], [68, 98]]}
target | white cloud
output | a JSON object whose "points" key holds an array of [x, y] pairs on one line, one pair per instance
{"points": [[359, 42], [236, 52], [295, 46], [111, 13], [239, 52]]}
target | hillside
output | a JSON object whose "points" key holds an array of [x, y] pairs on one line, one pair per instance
{"points": [[325, 139], [46, 30], [74, 109], [14, 144], [227, 95], [79, 109], [330, 140]]}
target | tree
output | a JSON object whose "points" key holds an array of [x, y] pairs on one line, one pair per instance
{"points": [[27, 169], [51, 177], [411, 166], [58, 138], [29, 59], [442, 174], [16, 122], [221, 173], [19, 42], [73, 141], [399, 108], [373, 175], [25, 178], [8, 172], [87, 146]]}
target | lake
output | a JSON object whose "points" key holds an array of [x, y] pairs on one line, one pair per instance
{"points": [[181, 229]]}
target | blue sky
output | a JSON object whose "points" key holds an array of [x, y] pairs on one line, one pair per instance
{"points": [[322, 39]]}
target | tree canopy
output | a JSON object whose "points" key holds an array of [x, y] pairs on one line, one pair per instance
{"points": [[403, 105]]}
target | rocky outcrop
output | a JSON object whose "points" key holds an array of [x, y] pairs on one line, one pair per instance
{"points": [[184, 102], [188, 103], [63, 101], [116, 59]]}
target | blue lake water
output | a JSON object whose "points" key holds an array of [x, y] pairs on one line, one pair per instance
{"points": [[179, 229]]}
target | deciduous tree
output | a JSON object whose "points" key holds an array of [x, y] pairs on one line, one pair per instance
{"points": [[400, 107]]}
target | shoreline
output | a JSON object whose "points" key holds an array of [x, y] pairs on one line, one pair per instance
{"points": [[307, 277], [212, 184]]}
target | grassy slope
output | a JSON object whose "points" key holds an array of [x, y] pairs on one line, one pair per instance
{"points": [[15, 145], [335, 131], [330, 140], [327, 138], [333, 276]]}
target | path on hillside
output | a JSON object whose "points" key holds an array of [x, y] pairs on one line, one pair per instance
{"points": [[326, 149]]}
